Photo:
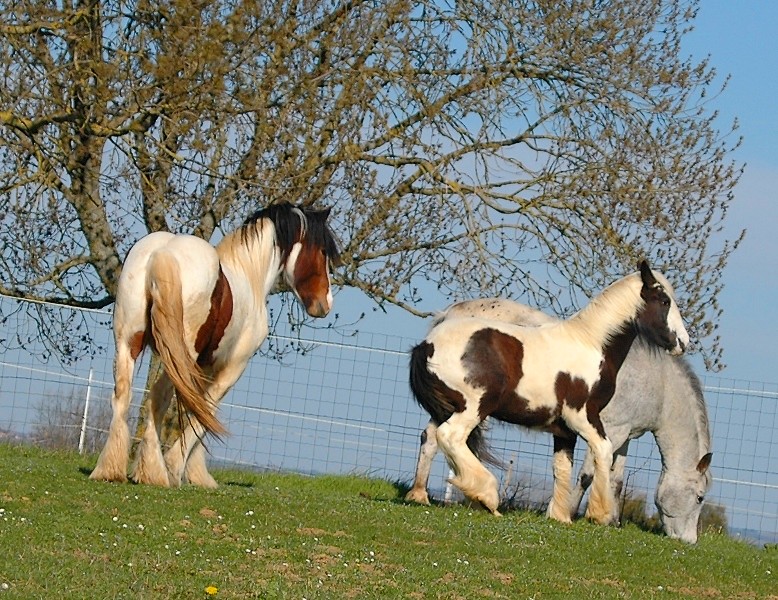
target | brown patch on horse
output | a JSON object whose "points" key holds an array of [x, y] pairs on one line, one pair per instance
{"points": [[212, 330], [137, 343], [493, 362], [602, 391], [571, 391]]}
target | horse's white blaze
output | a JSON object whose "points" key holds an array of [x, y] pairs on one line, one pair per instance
{"points": [[329, 290], [675, 324], [674, 318], [291, 261]]}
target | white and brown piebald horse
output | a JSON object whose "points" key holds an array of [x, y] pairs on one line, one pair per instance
{"points": [[203, 310], [655, 392], [556, 377]]}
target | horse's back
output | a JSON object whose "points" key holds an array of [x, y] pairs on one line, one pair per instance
{"points": [[497, 309], [472, 349], [648, 379]]}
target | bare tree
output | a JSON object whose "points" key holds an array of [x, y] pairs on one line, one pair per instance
{"points": [[534, 149]]}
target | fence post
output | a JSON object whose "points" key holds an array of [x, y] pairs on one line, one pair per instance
{"points": [[448, 494], [82, 437]]}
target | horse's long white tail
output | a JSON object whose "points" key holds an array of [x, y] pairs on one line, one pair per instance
{"points": [[167, 329]]}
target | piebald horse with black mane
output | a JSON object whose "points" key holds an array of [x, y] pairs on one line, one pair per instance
{"points": [[203, 310], [555, 377]]}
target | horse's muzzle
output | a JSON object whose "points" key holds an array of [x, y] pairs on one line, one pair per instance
{"points": [[317, 309]]}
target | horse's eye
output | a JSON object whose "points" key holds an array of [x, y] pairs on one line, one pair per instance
{"points": [[666, 302], [700, 499]]}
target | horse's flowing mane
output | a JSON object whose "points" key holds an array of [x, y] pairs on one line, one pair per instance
{"points": [[703, 428], [287, 225], [291, 224], [607, 313]]}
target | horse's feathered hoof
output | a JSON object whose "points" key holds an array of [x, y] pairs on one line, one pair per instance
{"points": [[602, 519], [109, 477], [418, 496], [490, 504]]}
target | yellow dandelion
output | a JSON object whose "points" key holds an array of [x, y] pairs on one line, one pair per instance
{"points": [[211, 590]]}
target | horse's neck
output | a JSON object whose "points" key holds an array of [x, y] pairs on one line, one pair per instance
{"points": [[252, 255], [682, 436], [609, 315], [618, 346]]}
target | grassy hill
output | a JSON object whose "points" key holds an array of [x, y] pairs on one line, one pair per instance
{"points": [[289, 536]]}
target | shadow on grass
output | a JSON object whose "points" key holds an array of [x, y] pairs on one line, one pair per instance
{"points": [[239, 484]]}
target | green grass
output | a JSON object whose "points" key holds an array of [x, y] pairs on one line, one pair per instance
{"points": [[288, 536]]}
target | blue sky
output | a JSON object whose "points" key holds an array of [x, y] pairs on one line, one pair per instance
{"points": [[741, 39], [742, 42]]}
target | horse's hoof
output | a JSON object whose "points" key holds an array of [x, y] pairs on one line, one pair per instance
{"points": [[206, 483], [418, 496], [558, 515], [109, 477], [143, 478], [490, 504], [600, 519]]}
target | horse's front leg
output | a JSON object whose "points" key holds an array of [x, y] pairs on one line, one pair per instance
{"points": [[112, 463], [427, 451], [617, 478], [149, 467], [586, 475], [601, 507], [559, 507]]}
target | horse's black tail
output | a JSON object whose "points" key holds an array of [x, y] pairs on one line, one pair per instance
{"points": [[440, 401]]}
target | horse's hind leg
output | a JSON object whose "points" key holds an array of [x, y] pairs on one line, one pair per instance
{"points": [[189, 447], [112, 463], [197, 470], [427, 451], [475, 481], [149, 465], [179, 455]]}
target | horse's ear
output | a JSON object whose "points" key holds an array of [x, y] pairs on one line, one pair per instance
{"points": [[704, 463], [645, 273], [326, 212]]}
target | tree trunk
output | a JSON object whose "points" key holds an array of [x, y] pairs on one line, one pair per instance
{"points": [[170, 423]]}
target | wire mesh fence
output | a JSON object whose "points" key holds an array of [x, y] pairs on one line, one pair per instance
{"points": [[332, 402]]}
